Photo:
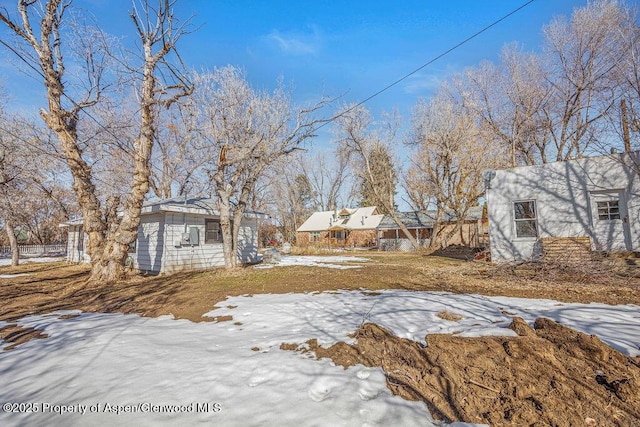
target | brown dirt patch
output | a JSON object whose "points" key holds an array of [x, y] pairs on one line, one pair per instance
{"points": [[19, 334], [535, 378], [446, 315], [189, 295], [552, 375], [61, 286]]}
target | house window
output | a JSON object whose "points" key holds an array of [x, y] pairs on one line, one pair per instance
{"points": [[314, 236], [212, 232], [608, 210], [525, 218]]}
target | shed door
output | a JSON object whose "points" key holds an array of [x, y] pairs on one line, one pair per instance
{"points": [[610, 221]]}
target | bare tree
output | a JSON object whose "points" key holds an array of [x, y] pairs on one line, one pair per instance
{"points": [[31, 198], [158, 30], [177, 160], [451, 154], [367, 144], [13, 164], [627, 121], [246, 132], [562, 103], [416, 186], [291, 194], [581, 56], [327, 175], [510, 100]]}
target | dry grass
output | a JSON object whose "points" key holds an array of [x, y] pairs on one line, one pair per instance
{"points": [[312, 250], [60, 286], [600, 270], [447, 315]]}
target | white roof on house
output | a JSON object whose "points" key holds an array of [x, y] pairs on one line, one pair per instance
{"points": [[359, 219]]}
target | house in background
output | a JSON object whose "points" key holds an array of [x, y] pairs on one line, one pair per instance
{"points": [[176, 234], [348, 227], [472, 232], [594, 202], [364, 227], [392, 238]]}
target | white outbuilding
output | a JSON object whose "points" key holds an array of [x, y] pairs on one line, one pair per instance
{"points": [[594, 199], [175, 235]]}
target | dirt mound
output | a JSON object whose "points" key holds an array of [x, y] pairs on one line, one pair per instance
{"points": [[552, 375], [465, 253]]}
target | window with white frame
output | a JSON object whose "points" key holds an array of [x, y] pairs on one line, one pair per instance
{"points": [[608, 210], [526, 221], [212, 232], [314, 236]]}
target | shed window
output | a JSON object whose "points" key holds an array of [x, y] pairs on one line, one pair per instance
{"points": [[608, 210], [525, 218], [212, 231]]}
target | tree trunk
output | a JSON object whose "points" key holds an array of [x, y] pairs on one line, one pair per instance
{"points": [[435, 234], [13, 242], [110, 266], [405, 230], [224, 206]]}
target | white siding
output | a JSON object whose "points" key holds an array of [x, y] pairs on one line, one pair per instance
{"points": [[248, 241], [150, 243], [76, 241], [563, 193], [187, 257], [159, 248]]}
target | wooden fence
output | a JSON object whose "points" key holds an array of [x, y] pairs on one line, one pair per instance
{"points": [[35, 250]]}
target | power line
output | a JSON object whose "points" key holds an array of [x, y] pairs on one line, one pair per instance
{"points": [[431, 61], [384, 89]]}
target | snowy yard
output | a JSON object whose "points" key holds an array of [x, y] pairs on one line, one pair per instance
{"points": [[336, 261], [234, 374]]}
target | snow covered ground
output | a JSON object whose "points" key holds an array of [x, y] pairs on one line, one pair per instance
{"points": [[337, 261], [11, 276], [234, 374], [7, 261]]}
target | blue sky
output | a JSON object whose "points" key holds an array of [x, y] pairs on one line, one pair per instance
{"points": [[350, 48], [353, 48]]}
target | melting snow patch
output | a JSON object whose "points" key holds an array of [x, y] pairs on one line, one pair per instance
{"points": [[94, 359], [316, 261], [7, 261]]}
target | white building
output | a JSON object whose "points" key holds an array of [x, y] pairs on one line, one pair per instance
{"points": [[176, 234], [596, 197]]}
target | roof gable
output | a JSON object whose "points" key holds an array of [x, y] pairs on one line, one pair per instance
{"points": [[359, 219]]}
